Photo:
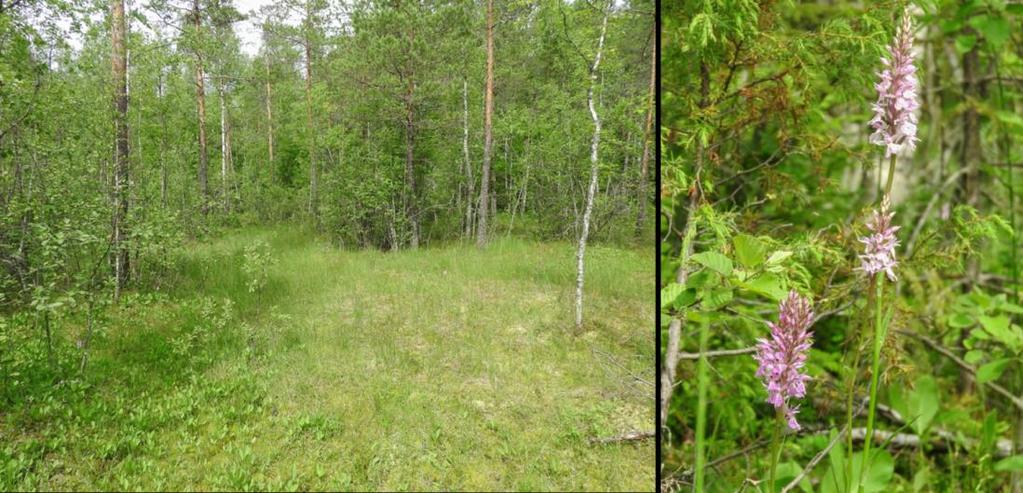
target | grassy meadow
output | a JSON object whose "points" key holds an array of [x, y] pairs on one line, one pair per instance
{"points": [[268, 359]]}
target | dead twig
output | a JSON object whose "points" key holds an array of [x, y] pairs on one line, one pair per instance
{"points": [[631, 436]]}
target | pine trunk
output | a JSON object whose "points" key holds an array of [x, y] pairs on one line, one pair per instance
{"points": [[644, 193], [488, 141]]}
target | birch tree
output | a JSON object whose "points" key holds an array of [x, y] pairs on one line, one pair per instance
{"points": [[594, 173]]}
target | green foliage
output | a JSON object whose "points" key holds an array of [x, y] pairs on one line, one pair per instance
{"points": [[768, 178]]}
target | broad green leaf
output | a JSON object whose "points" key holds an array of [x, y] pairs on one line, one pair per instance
{"points": [[767, 284], [919, 405], [749, 250], [1014, 463], [991, 371], [995, 29], [994, 325], [716, 298], [882, 466], [714, 261], [875, 480], [1012, 307], [960, 320], [1002, 330], [787, 471], [670, 292], [974, 357]]}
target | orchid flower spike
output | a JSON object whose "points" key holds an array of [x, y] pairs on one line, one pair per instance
{"points": [[783, 356], [880, 243], [895, 117]]}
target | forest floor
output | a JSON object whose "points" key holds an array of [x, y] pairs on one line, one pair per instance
{"points": [[442, 368]]}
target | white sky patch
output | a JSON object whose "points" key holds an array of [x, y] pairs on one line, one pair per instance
{"points": [[248, 32]]}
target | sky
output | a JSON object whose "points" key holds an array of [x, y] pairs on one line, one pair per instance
{"points": [[247, 32]]}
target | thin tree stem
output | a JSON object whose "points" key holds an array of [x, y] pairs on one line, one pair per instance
{"points": [[701, 410]]}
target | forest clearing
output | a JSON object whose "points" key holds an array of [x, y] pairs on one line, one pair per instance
{"points": [[441, 368], [327, 245]]}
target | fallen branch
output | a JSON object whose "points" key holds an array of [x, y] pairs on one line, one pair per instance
{"points": [[940, 442], [688, 473], [718, 353], [631, 436], [752, 349]]}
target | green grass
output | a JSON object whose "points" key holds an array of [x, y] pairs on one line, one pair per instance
{"points": [[443, 368]]}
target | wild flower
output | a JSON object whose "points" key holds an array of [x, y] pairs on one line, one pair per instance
{"points": [[895, 117], [783, 356], [880, 243]]}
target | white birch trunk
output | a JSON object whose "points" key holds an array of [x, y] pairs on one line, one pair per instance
{"points": [[594, 169]]}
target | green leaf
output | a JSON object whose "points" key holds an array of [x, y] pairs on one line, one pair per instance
{"points": [[991, 371], [1002, 330], [749, 250], [876, 478], [1014, 463], [787, 471], [670, 293], [994, 325], [919, 405], [714, 261], [995, 29], [974, 357], [965, 43], [716, 298], [767, 284], [960, 320]]}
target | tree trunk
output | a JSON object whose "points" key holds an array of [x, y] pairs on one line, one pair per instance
{"points": [[594, 173], [163, 144], [269, 120], [200, 96], [411, 206], [643, 194], [469, 182], [223, 147], [313, 171], [671, 352], [970, 160], [488, 110], [119, 68]]}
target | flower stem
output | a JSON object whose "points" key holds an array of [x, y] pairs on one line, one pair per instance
{"points": [[879, 335], [852, 393], [891, 177], [776, 449], [701, 410]]}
